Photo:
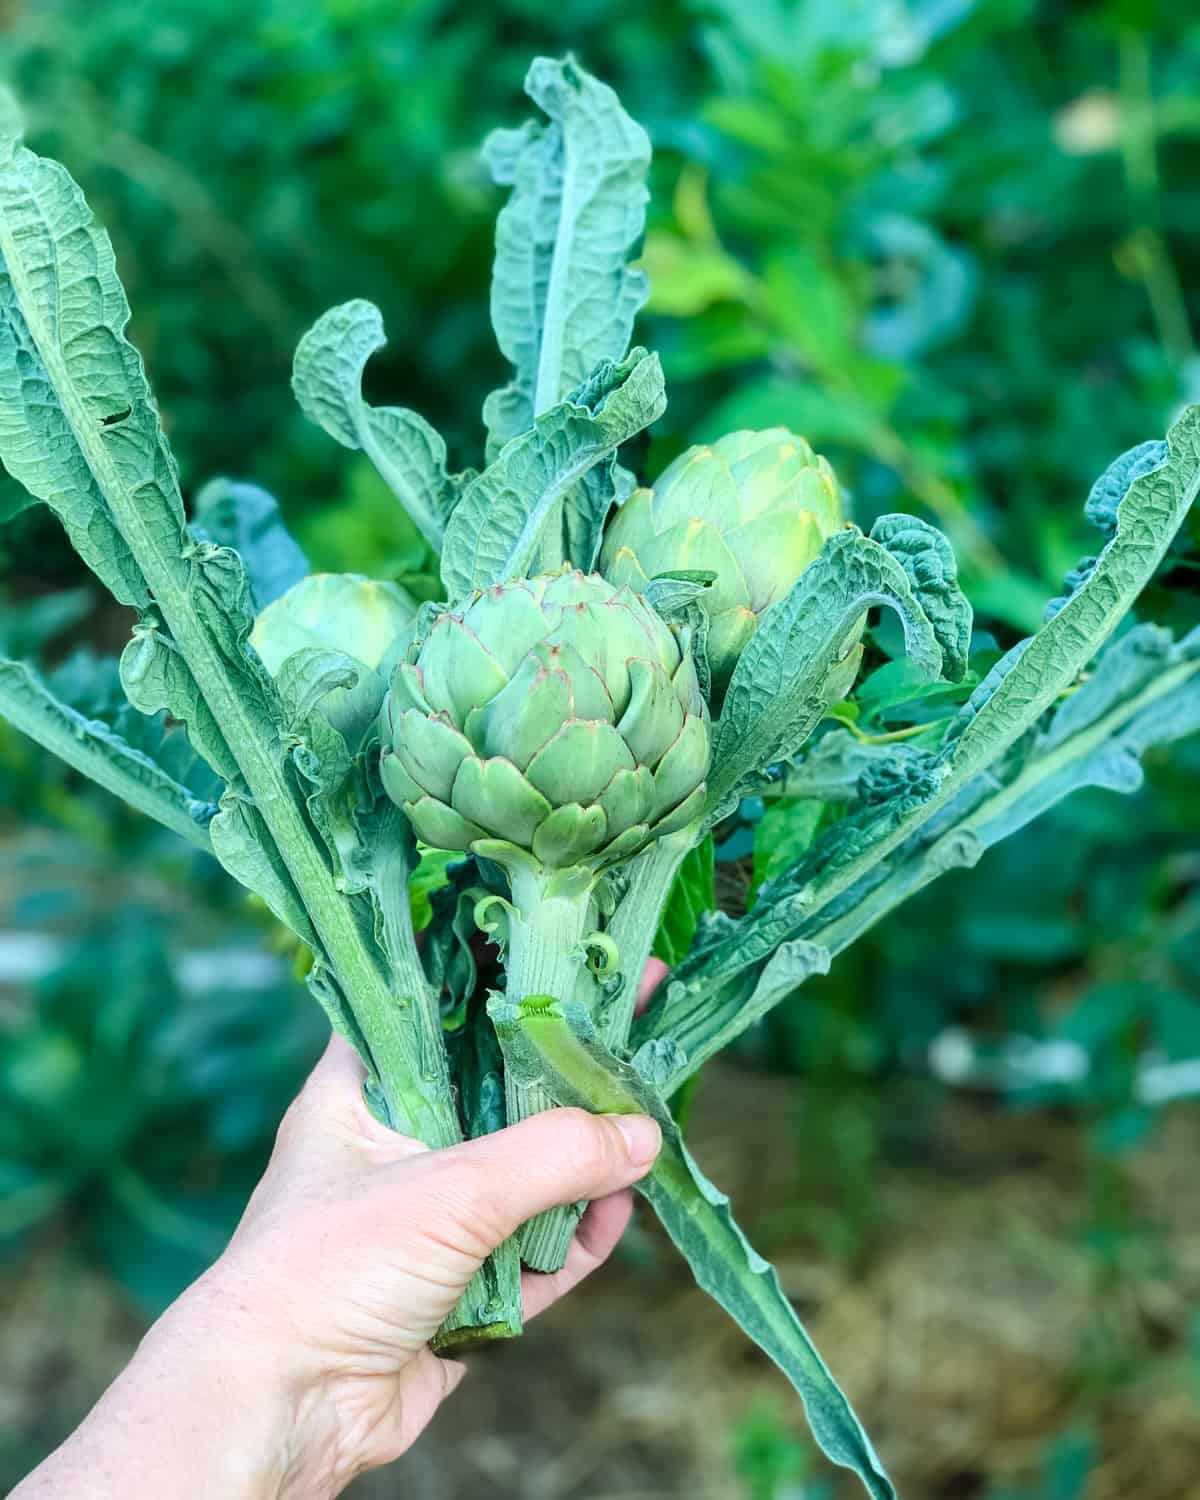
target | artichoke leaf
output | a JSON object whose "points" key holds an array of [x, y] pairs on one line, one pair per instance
{"points": [[788, 673], [496, 529], [928, 559], [39, 207], [100, 752], [408, 453], [563, 296]]}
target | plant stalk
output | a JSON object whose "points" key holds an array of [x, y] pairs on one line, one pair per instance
{"points": [[153, 528], [545, 956], [635, 922]]}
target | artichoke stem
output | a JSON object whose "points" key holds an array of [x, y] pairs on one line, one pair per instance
{"points": [[634, 924], [545, 957]]}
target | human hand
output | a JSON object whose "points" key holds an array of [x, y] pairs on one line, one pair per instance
{"points": [[301, 1358], [358, 1242]]}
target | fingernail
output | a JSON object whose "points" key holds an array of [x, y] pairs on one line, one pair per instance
{"points": [[643, 1138]]}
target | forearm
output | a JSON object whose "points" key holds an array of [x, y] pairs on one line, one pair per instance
{"points": [[186, 1418]]}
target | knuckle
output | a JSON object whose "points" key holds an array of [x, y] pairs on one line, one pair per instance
{"points": [[585, 1145]]}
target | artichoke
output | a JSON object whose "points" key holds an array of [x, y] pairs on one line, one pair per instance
{"points": [[556, 714], [362, 619], [755, 508]]}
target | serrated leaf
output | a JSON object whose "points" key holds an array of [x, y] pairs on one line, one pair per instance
{"points": [[1095, 739], [832, 771], [61, 282], [563, 296], [408, 453], [928, 559], [1109, 490], [98, 751], [554, 1046], [700, 1015], [780, 688], [241, 842], [156, 677], [1026, 682], [586, 507], [45, 223], [496, 529], [231, 513], [1149, 513]]}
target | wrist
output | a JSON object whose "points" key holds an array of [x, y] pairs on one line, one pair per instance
{"points": [[197, 1412], [305, 1428], [278, 1437]]}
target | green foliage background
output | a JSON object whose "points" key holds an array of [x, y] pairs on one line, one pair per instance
{"points": [[955, 243]]}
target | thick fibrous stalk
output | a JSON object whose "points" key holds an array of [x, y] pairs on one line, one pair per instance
{"points": [[635, 924], [545, 956]]}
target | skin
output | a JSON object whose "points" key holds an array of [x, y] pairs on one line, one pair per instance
{"points": [[301, 1358]]}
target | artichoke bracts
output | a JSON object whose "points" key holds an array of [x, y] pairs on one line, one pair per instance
{"points": [[557, 715], [555, 726], [755, 508]]}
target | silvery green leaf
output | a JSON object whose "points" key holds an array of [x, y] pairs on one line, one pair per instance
{"points": [[408, 453], [46, 227], [1026, 682], [586, 507], [231, 513], [1148, 515], [97, 444], [1109, 490], [701, 1018], [495, 531], [99, 752], [928, 559], [343, 693], [330, 701], [780, 688], [563, 296], [242, 843], [1095, 738], [555, 1047], [307, 678], [64, 316], [156, 677], [658, 1060], [833, 768], [1129, 664]]}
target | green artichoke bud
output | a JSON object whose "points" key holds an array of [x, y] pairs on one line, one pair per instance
{"points": [[367, 621], [754, 508], [557, 714]]}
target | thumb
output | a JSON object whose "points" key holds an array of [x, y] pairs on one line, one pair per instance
{"points": [[557, 1157]]}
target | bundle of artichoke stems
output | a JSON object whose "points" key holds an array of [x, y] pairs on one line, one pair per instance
{"points": [[614, 674]]}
